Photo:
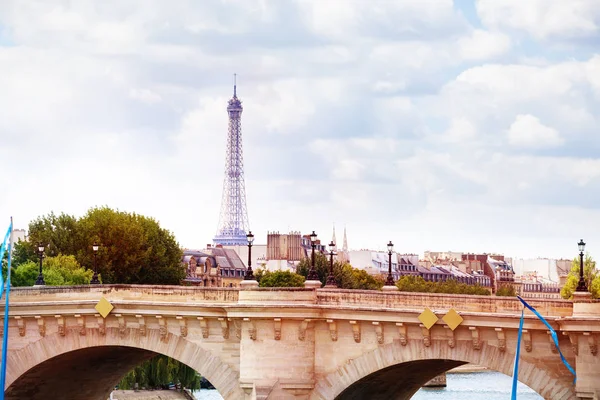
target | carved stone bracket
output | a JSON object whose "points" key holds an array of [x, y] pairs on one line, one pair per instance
{"points": [[450, 336], [333, 330], [574, 342], [552, 345], [356, 330], [426, 335], [141, 324], [476, 337], [224, 327], [251, 328], [379, 332], [277, 328], [61, 325], [21, 325], [591, 343], [80, 324], [302, 329], [122, 324], [183, 329], [501, 339], [402, 332], [237, 325], [41, 325], [203, 327], [527, 340], [162, 327], [101, 324]]}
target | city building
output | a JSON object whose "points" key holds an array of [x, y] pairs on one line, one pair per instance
{"points": [[219, 267]]}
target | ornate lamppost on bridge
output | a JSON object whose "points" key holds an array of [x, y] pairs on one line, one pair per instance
{"points": [[249, 274], [95, 280], [390, 278], [312, 273], [331, 283], [581, 286], [40, 279]]}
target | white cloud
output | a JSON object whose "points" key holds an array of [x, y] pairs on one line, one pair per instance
{"points": [[460, 130], [543, 18], [528, 131], [483, 45]]}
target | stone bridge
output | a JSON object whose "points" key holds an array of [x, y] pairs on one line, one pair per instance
{"points": [[292, 343]]}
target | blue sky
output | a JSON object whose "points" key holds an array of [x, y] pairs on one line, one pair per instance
{"points": [[439, 125]]}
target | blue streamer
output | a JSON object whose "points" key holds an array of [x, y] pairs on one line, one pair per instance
{"points": [[2, 250], [5, 336], [554, 337], [517, 355]]}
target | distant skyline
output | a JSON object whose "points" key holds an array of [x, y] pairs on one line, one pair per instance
{"points": [[466, 126]]}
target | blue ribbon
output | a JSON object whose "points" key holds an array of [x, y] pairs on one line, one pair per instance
{"points": [[2, 251], [517, 354], [554, 337], [5, 336]]}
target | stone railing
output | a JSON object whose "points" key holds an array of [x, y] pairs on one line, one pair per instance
{"points": [[281, 297], [166, 293], [465, 303]]}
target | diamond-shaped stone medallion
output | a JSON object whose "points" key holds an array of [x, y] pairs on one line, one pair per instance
{"points": [[452, 319], [104, 307], [428, 318]]}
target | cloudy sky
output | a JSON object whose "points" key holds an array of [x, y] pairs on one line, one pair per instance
{"points": [[440, 125]]}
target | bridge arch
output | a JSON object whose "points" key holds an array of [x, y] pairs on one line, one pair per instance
{"points": [[125, 352], [396, 371]]}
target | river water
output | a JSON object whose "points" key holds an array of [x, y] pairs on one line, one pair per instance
{"points": [[485, 385]]}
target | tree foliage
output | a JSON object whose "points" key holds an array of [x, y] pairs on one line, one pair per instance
{"points": [[506, 291], [591, 276], [280, 279], [58, 271], [411, 283], [345, 275], [158, 373], [133, 248]]}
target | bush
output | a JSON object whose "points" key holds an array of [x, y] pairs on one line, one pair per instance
{"points": [[280, 279], [412, 283], [508, 291]]}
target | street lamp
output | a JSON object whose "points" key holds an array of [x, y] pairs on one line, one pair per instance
{"points": [[95, 280], [581, 286], [390, 278], [40, 279], [330, 279], [249, 274], [312, 273]]}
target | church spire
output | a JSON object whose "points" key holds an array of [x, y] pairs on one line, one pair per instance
{"points": [[345, 245], [333, 239]]}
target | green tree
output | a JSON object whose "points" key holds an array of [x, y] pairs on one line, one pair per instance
{"points": [[133, 248], [507, 291], [345, 275], [58, 271], [158, 373], [410, 283], [590, 275], [321, 266], [281, 279]]}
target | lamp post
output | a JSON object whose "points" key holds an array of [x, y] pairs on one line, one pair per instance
{"points": [[95, 280], [312, 273], [249, 274], [330, 279], [40, 279], [581, 286], [390, 278]]}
